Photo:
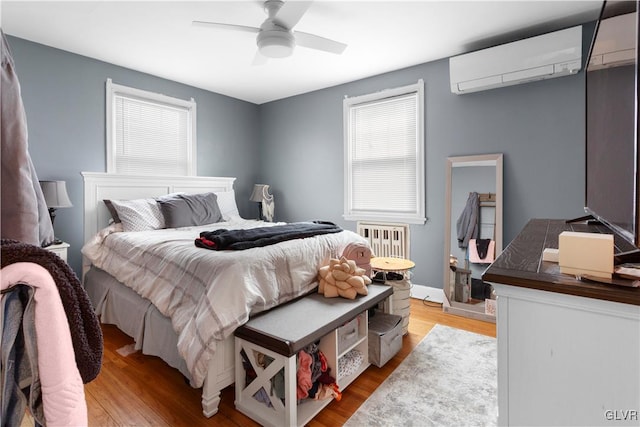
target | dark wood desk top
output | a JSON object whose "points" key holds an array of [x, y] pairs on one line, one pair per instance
{"points": [[520, 264]]}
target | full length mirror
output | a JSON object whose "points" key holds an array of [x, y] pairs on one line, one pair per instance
{"points": [[473, 232]]}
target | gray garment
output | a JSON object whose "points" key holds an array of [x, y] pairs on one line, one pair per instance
{"points": [[24, 214], [20, 378], [467, 224]]}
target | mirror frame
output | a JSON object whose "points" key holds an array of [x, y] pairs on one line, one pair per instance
{"points": [[465, 309]]}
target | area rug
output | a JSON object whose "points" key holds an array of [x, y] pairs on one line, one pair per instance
{"points": [[449, 379]]}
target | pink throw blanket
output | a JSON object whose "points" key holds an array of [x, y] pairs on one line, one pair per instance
{"points": [[62, 388]]}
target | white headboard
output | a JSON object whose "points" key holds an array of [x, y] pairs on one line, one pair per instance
{"points": [[99, 186]]}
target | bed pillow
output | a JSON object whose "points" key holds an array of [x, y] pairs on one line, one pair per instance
{"points": [[138, 214], [227, 204], [184, 210], [112, 211]]}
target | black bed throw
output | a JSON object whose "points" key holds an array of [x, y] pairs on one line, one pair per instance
{"points": [[222, 239]]}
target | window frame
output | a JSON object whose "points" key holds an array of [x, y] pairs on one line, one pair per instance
{"points": [[418, 216], [113, 89]]}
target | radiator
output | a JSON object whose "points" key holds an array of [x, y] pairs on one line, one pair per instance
{"points": [[386, 240]]}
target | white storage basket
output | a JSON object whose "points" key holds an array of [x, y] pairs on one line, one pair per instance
{"points": [[401, 302]]}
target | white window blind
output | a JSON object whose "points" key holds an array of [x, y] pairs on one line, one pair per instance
{"points": [[384, 156], [150, 134]]}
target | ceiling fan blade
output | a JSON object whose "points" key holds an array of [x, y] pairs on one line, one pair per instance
{"points": [[319, 43], [259, 59], [244, 28], [291, 12]]}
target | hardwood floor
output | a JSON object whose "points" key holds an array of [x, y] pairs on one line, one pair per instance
{"points": [[143, 391]]}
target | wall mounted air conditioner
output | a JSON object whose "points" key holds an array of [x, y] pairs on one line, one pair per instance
{"points": [[542, 57], [616, 43]]}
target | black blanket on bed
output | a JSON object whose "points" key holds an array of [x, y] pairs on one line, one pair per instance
{"points": [[262, 236]]}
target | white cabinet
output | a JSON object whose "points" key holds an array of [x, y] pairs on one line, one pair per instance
{"points": [[566, 360], [568, 350], [59, 249]]}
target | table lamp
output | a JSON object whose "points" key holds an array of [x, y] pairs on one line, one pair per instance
{"points": [[266, 206], [55, 195]]}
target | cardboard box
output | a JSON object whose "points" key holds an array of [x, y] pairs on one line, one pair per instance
{"points": [[585, 253], [550, 255]]}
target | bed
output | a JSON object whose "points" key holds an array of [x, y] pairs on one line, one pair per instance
{"points": [[217, 290]]}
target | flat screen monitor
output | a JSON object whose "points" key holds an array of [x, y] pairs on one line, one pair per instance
{"points": [[611, 121]]}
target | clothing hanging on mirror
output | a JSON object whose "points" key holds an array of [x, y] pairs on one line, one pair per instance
{"points": [[467, 223], [482, 250]]}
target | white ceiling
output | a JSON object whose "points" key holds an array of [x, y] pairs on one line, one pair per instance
{"points": [[157, 37]]}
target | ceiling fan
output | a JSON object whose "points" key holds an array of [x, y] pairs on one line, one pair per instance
{"points": [[276, 37]]}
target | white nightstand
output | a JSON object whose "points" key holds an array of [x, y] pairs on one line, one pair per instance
{"points": [[60, 249]]}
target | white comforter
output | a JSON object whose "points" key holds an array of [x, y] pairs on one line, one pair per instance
{"points": [[208, 294]]}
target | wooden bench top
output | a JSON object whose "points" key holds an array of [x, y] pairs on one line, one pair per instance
{"points": [[291, 327]]}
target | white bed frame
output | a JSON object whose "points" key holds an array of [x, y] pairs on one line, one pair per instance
{"points": [[99, 186]]}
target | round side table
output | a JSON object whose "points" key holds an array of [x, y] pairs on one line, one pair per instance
{"points": [[391, 264]]}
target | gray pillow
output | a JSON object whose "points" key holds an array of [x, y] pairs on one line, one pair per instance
{"points": [[184, 210]]}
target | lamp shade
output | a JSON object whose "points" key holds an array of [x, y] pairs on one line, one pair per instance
{"points": [[55, 194], [260, 193]]}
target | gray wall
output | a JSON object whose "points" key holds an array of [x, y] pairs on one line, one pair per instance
{"points": [[296, 146], [64, 98], [538, 126]]}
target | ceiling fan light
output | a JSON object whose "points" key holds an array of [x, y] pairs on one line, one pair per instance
{"points": [[276, 44]]}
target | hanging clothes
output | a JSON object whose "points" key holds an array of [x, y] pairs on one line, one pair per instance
{"points": [[24, 214], [467, 224], [63, 399], [482, 251], [86, 334], [21, 387]]}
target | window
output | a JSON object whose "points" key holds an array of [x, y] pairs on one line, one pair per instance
{"points": [[384, 155], [149, 133]]}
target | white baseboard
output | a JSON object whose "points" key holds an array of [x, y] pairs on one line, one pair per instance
{"points": [[428, 293]]}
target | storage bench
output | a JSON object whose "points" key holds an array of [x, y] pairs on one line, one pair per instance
{"points": [[340, 326]]}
